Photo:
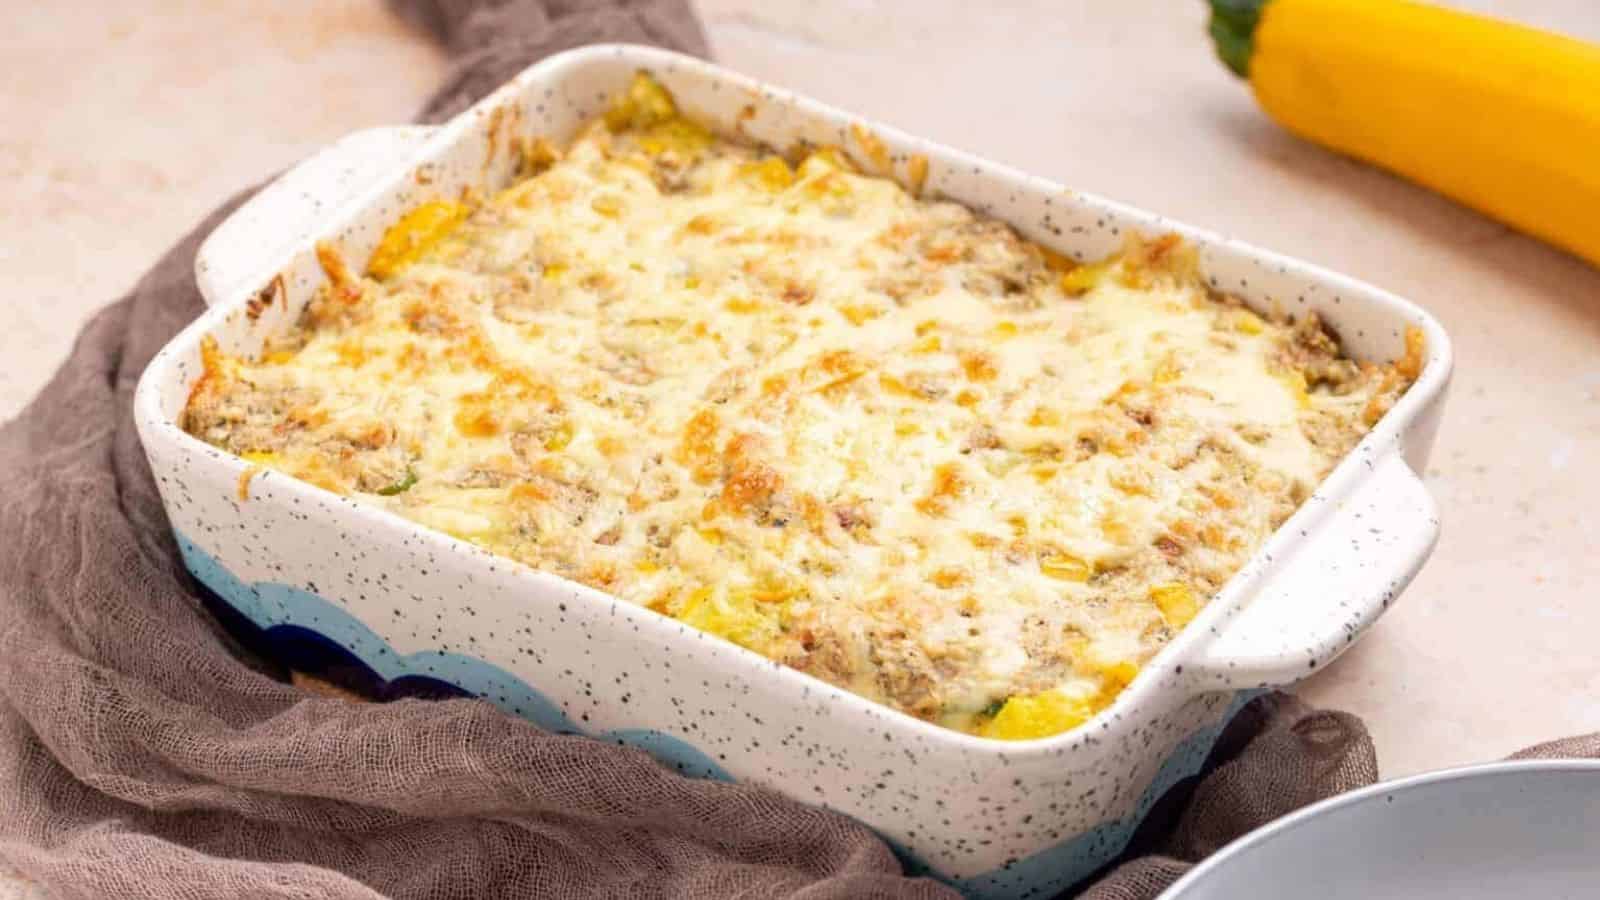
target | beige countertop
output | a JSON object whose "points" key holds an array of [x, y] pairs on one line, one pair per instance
{"points": [[168, 107]]}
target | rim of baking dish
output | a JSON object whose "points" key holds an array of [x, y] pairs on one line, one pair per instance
{"points": [[1210, 623]]}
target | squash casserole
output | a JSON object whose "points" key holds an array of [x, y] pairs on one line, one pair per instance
{"points": [[876, 437]]}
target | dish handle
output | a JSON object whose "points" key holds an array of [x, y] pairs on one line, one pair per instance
{"points": [[1351, 564], [239, 255]]}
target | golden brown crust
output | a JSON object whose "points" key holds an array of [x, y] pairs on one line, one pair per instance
{"points": [[884, 440]]}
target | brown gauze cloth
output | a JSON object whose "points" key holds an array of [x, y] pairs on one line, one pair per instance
{"points": [[144, 753]]}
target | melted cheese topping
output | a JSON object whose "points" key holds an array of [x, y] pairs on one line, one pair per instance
{"points": [[881, 439]]}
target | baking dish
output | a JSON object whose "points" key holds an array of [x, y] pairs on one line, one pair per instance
{"points": [[997, 819]]}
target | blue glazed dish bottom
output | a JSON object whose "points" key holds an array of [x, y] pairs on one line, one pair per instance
{"points": [[306, 632]]}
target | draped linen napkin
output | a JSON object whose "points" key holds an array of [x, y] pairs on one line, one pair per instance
{"points": [[143, 752]]}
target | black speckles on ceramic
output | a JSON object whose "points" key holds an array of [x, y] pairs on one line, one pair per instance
{"points": [[1001, 820]]}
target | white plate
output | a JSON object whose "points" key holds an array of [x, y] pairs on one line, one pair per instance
{"points": [[1528, 828]]}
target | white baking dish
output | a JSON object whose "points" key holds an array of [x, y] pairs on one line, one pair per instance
{"points": [[996, 819]]}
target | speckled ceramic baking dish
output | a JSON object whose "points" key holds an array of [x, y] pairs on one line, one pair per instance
{"points": [[997, 819]]}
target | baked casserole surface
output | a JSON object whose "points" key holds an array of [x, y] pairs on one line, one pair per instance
{"points": [[873, 436]]}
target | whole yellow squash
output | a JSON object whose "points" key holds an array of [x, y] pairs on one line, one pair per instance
{"points": [[1501, 117]]}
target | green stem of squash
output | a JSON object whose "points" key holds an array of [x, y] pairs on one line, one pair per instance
{"points": [[1233, 29]]}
